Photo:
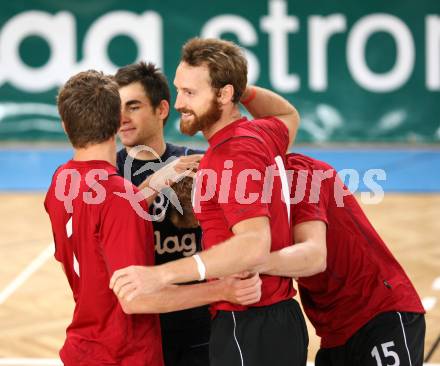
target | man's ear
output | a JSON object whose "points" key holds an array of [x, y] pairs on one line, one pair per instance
{"points": [[163, 109], [64, 127], [226, 94]]}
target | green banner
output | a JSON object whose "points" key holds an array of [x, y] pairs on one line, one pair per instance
{"points": [[357, 71]]}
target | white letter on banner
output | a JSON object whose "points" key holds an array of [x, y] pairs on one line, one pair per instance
{"points": [[320, 31], [57, 30], [433, 52], [144, 29], [278, 25], [246, 35], [357, 41]]}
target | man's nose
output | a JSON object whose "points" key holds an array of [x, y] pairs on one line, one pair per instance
{"points": [[178, 104], [124, 117]]}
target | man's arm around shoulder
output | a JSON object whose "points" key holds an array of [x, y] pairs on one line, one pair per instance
{"points": [[262, 102], [307, 257]]}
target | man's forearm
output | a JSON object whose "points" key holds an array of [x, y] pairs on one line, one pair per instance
{"points": [[237, 254], [174, 298], [299, 260], [149, 193], [266, 103]]}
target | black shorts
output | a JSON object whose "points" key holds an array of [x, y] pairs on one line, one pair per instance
{"points": [[390, 338], [189, 347], [266, 336]]}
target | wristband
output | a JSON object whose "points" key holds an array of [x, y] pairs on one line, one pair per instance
{"points": [[250, 98], [200, 267]]}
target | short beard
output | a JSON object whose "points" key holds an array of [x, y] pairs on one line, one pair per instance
{"points": [[202, 122]]}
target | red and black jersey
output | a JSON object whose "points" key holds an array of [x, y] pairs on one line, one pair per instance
{"points": [[97, 232], [240, 179], [362, 278]]}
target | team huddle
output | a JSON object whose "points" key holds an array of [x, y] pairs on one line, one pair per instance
{"points": [[183, 257]]}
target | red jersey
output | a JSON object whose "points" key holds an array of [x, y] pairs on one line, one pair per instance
{"points": [[97, 232], [362, 278], [240, 179]]}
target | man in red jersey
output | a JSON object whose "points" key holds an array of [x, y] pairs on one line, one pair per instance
{"points": [[96, 231], [238, 232], [355, 293]]}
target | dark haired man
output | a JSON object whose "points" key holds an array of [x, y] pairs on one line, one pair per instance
{"points": [[145, 101], [145, 98]]}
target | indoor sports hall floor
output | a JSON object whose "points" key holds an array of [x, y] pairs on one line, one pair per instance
{"points": [[35, 301]]}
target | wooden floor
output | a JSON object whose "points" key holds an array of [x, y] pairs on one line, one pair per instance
{"points": [[35, 313]]}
